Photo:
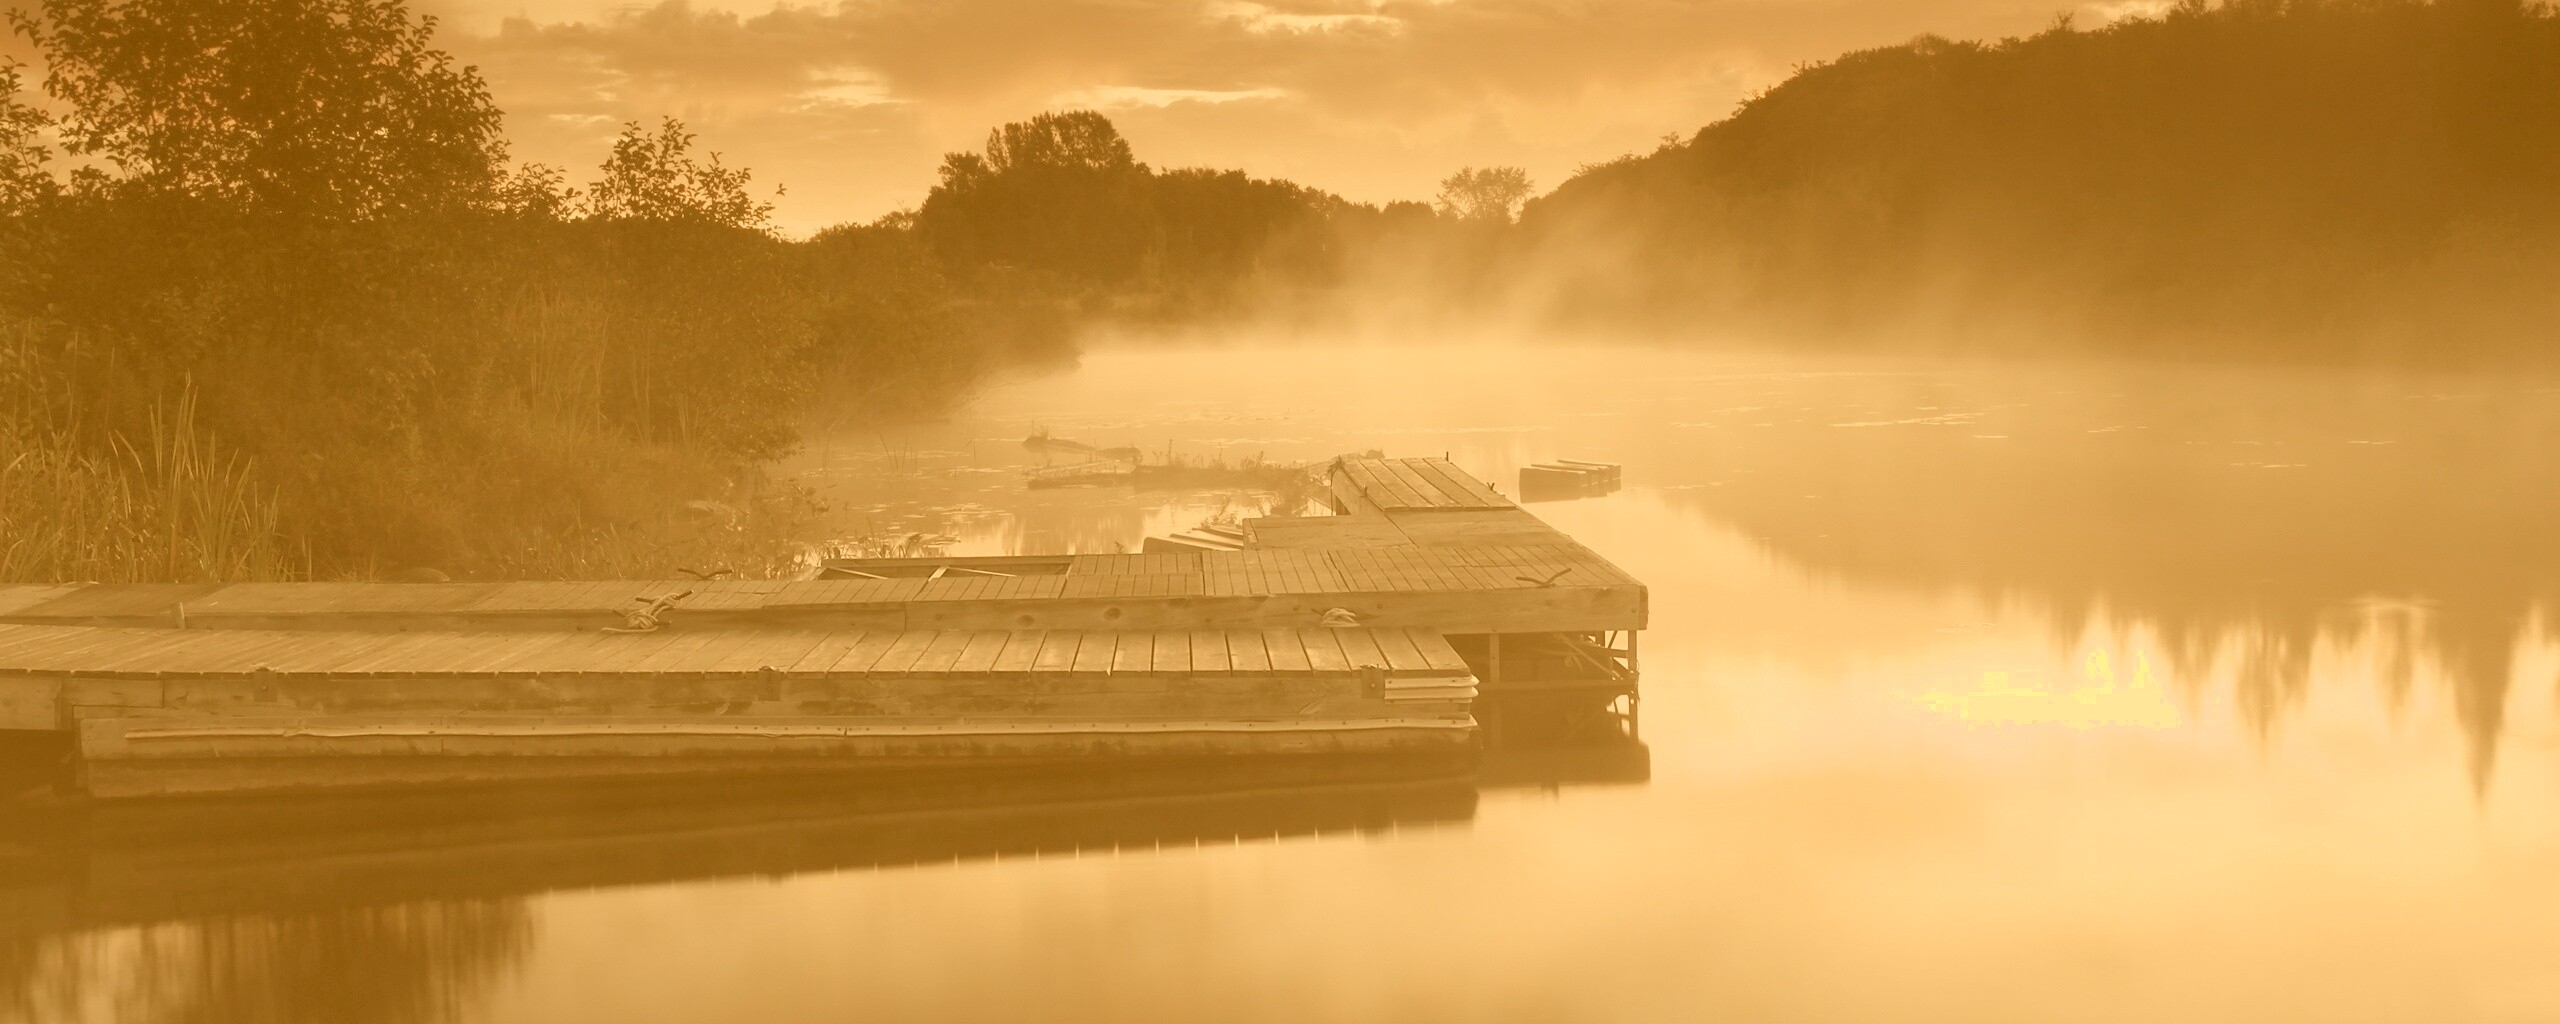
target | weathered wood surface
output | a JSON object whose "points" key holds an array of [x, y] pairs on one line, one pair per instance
{"points": [[1405, 484], [144, 653], [311, 764], [180, 711], [1430, 547]]}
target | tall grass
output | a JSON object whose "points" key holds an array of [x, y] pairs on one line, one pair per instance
{"points": [[80, 501]]}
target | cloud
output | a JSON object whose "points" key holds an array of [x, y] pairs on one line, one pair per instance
{"points": [[1122, 97], [853, 104]]}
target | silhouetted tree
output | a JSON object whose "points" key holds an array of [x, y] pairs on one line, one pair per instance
{"points": [[23, 180], [537, 192], [655, 176], [1059, 194], [1077, 140], [335, 108], [1484, 194]]}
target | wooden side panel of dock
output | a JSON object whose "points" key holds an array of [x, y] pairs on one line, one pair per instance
{"points": [[163, 711]]}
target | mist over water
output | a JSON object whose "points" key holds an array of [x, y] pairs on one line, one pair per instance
{"points": [[1992, 692]]}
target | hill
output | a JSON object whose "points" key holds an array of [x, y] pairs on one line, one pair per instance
{"points": [[2277, 178]]}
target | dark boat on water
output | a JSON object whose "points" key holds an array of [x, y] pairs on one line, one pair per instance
{"points": [[1567, 479]]}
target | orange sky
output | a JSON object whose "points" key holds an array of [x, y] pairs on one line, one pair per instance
{"points": [[850, 105]]}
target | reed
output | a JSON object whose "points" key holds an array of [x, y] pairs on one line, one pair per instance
{"points": [[164, 503]]}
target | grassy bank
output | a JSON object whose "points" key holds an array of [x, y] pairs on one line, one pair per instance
{"points": [[82, 502], [332, 333]]}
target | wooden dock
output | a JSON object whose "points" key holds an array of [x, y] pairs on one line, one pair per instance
{"points": [[1372, 630]]}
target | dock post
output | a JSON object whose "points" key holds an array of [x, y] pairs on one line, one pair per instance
{"points": [[1635, 687]]}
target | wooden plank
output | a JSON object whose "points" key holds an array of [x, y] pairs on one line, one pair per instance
{"points": [[30, 645], [32, 705], [1173, 651], [856, 593], [866, 652], [672, 655], [1451, 493], [904, 652], [1460, 482], [338, 658], [570, 655], [1352, 567], [1350, 472], [1287, 649], [1134, 652], [1021, 651], [1246, 651], [1324, 576], [458, 654], [1426, 490], [14, 638], [1228, 573], [1209, 651], [126, 600], [619, 651], [564, 648], [773, 650], [1373, 484], [1360, 648], [214, 650], [1325, 533], [1436, 651], [391, 657], [1429, 570], [954, 588], [1096, 653], [13, 598], [148, 651], [352, 661], [728, 642], [1057, 652], [66, 647], [517, 597], [610, 597], [942, 653], [1406, 495], [83, 648], [979, 657], [1403, 658], [1105, 565], [1324, 650], [830, 648]]}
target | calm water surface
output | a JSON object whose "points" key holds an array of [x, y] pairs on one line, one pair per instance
{"points": [[1974, 694]]}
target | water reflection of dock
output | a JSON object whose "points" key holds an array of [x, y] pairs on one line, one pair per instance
{"points": [[1370, 631], [369, 902], [83, 865]]}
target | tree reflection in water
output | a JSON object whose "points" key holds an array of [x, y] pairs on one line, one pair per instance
{"points": [[2252, 525], [412, 906], [408, 964]]}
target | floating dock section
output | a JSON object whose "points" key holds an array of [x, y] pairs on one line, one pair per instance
{"points": [[1378, 630]]}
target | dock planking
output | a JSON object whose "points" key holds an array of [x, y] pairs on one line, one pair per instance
{"points": [[147, 652], [1424, 545], [1320, 633]]}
